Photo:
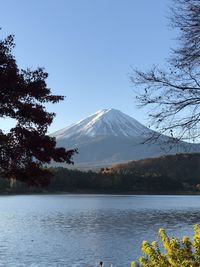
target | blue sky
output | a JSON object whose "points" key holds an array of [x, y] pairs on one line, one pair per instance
{"points": [[88, 48]]}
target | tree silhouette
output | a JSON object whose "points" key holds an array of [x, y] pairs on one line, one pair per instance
{"points": [[173, 93], [25, 149]]}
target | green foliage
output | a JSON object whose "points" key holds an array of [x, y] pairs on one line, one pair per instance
{"points": [[66, 180], [169, 174], [177, 252], [184, 168], [72, 180]]}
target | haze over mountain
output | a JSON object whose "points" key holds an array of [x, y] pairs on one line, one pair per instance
{"points": [[110, 136]]}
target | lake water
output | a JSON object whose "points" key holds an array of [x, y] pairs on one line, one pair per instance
{"points": [[81, 230]]}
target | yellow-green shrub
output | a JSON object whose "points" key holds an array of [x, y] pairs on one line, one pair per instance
{"points": [[177, 252]]}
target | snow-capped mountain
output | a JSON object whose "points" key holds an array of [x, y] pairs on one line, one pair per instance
{"points": [[110, 136], [105, 122]]}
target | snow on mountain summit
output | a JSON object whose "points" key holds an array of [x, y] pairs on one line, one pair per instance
{"points": [[109, 137], [105, 122]]}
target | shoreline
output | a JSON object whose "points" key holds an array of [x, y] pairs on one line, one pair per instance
{"points": [[77, 192]]}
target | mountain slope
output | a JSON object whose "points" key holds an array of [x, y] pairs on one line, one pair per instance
{"points": [[110, 136], [106, 122], [182, 167]]}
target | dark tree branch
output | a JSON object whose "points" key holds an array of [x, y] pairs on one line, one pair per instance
{"points": [[25, 149]]}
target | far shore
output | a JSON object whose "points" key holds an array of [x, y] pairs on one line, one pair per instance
{"points": [[91, 192]]}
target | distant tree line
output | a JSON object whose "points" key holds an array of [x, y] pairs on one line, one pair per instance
{"points": [[184, 168], [168, 174], [65, 180], [73, 180]]}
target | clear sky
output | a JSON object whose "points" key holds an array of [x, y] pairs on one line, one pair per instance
{"points": [[88, 48]]}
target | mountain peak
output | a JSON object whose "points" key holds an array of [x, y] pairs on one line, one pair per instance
{"points": [[106, 111], [109, 136], [105, 122]]}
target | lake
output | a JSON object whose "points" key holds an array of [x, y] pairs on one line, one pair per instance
{"points": [[81, 230]]}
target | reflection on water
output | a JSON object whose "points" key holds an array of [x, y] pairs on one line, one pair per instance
{"points": [[75, 230]]}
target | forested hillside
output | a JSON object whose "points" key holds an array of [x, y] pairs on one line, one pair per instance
{"points": [[182, 167], [169, 174]]}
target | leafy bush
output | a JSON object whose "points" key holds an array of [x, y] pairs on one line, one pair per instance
{"points": [[177, 252]]}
